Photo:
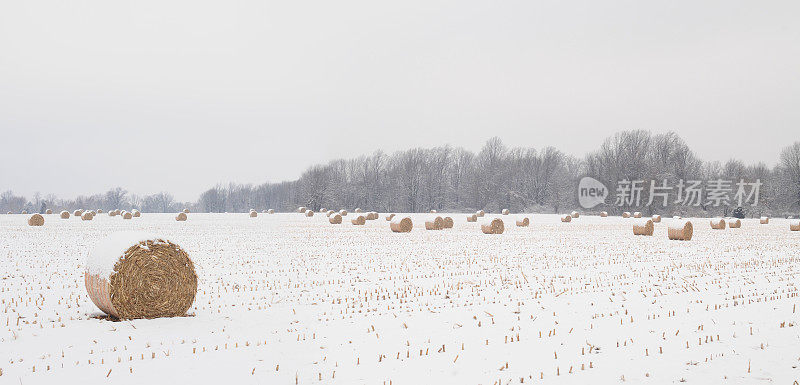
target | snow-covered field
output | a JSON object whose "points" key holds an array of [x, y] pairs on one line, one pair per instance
{"points": [[286, 299]]}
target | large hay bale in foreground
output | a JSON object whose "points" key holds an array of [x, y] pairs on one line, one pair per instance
{"points": [[764, 220], [447, 223], [36, 220], [643, 226], [401, 224], [656, 218], [136, 213], [575, 214], [734, 223], [359, 220], [48, 211], [472, 218], [335, 219], [603, 214], [637, 214], [87, 216], [505, 212], [309, 213], [253, 214], [135, 275], [390, 217], [566, 218], [434, 223], [480, 213], [718, 224], [523, 222], [794, 225], [493, 226], [680, 229], [181, 217], [626, 214], [64, 215], [77, 213]]}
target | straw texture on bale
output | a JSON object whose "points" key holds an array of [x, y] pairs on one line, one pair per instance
{"points": [[390, 217], [734, 223], [637, 214], [359, 220], [794, 225], [472, 218], [603, 214], [253, 214], [626, 214], [718, 224], [434, 223], [643, 226], [150, 279], [401, 224], [181, 217], [764, 220], [447, 223], [136, 213], [566, 219], [480, 213], [493, 226], [48, 211], [656, 218], [523, 222], [36, 220], [505, 212], [77, 213], [87, 216], [309, 213], [680, 229], [575, 214], [335, 219], [65, 215]]}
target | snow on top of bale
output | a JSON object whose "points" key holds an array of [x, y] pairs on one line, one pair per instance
{"points": [[105, 255]]}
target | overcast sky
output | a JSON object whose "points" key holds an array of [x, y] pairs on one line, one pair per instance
{"points": [[181, 95]]}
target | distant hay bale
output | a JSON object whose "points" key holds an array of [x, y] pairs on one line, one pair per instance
{"points": [[335, 219], [626, 214], [87, 216], [764, 220], [447, 223], [505, 212], [322, 210], [637, 214], [794, 225], [253, 214], [330, 212], [734, 223], [343, 213], [390, 217], [603, 214], [77, 213], [434, 223], [433, 211], [271, 211], [372, 215], [643, 226], [112, 213], [181, 217], [127, 215], [65, 215], [523, 222], [718, 224], [24, 212], [480, 213], [566, 218], [134, 275], [680, 229], [36, 220], [359, 220], [117, 212], [492, 226], [48, 211], [472, 218], [357, 210], [309, 213], [136, 213], [9, 213], [575, 214], [400, 224], [656, 218], [185, 211], [99, 211], [92, 212]]}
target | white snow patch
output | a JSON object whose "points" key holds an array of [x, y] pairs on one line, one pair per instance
{"points": [[107, 252]]}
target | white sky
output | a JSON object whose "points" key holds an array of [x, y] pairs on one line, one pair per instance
{"points": [[180, 95]]}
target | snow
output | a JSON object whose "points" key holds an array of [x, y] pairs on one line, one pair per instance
{"points": [[108, 251], [287, 299]]}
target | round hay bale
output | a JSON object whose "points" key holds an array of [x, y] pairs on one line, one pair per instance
{"points": [[309, 213], [400, 224], [330, 212], [64, 215], [637, 214], [181, 217], [523, 222], [117, 212], [794, 225], [433, 211], [718, 224], [48, 211], [472, 218], [434, 223], [253, 213], [36, 220], [343, 213], [322, 210], [335, 219], [575, 214], [566, 218], [734, 223], [603, 214], [270, 211], [185, 211], [480, 213], [24, 212], [301, 209], [359, 220], [112, 213], [358, 210], [656, 218], [87, 216], [9, 213], [134, 275], [626, 214], [680, 229], [505, 212], [493, 226], [390, 217], [764, 220], [372, 215], [448, 223], [127, 215], [77, 213], [136, 213], [99, 211], [643, 226]]}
